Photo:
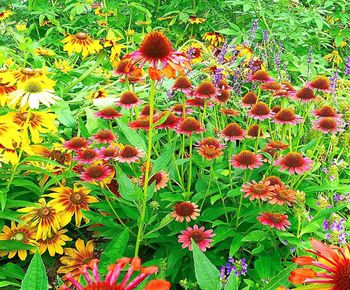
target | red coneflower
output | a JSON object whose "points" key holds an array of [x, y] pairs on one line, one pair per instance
{"points": [[146, 110], [229, 112], [183, 84], [294, 162], [258, 190], [126, 68], [275, 181], [185, 211], [222, 97], [142, 122], [158, 51], [200, 236], [330, 269], [271, 86], [260, 111], [206, 90], [129, 154], [209, 148], [249, 99], [76, 143], [179, 109], [321, 83], [305, 95], [198, 102], [86, 156], [189, 126], [128, 100], [254, 131], [328, 125], [283, 196], [260, 76], [232, 132], [104, 136], [108, 113], [95, 173], [160, 178], [326, 111], [170, 122], [246, 160], [286, 116], [107, 153], [274, 220], [276, 109]]}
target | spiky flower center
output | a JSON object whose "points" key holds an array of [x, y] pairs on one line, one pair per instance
{"points": [[342, 276], [178, 108], [254, 130], [326, 111], [232, 129], [184, 209], [206, 88], [246, 157], [210, 141], [89, 154], [33, 86], [104, 134], [328, 123], [285, 115], [82, 35], [293, 159], [250, 98], [223, 96], [285, 195], [305, 94], [45, 212], [274, 180], [321, 83], [128, 98], [155, 45], [122, 66], [198, 236], [77, 142], [276, 218], [190, 124], [76, 198], [95, 171], [109, 152], [109, 112], [210, 151], [261, 75], [259, 188], [128, 151], [182, 82], [260, 109], [273, 86], [276, 109]]}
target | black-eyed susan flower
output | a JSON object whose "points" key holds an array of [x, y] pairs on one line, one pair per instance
{"points": [[5, 14], [334, 57], [32, 93], [214, 38], [44, 218], [113, 42], [44, 52], [21, 233], [54, 244], [81, 43], [71, 201], [75, 259], [63, 65], [11, 155], [20, 76], [196, 20]]}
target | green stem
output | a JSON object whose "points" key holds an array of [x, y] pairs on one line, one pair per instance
{"points": [[190, 169]]}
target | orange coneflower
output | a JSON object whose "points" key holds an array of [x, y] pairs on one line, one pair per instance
{"points": [[330, 268], [258, 190], [185, 211], [209, 148], [232, 132], [214, 38], [71, 201], [81, 43], [54, 243]]}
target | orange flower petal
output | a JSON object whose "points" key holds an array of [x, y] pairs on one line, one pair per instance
{"points": [[299, 276]]}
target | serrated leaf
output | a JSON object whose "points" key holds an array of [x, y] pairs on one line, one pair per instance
{"points": [[207, 275], [36, 277]]}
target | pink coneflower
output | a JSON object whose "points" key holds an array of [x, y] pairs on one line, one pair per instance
{"points": [[283, 196], [254, 131], [223, 85], [183, 84], [104, 136], [107, 153], [260, 111], [286, 91], [209, 148], [142, 122], [86, 156], [321, 83], [249, 99], [95, 173], [200, 236], [108, 113], [158, 51], [185, 211], [274, 181], [229, 112], [206, 90], [160, 178], [274, 220], [180, 109], [271, 86], [277, 145], [128, 100], [222, 97], [294, 163], [232, 132], [305, 95], [170, 122], [326, 111], [276, 109], [146, 110], [260, 76], [286, 116], [328, 125], [246, 160], [129, 154], [198, 102], [258, 190], [76, 143], [189, 126]]}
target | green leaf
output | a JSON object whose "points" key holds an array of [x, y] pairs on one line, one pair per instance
{"points": [[165, 221], [8, 283], [35, 278], [134, 138], [64, 114], [254, 236], [232, 283], [114, 250], [3, 198], [263, 266], [163, 160], [280, 278], [126, 187], [13, 245], [207, 275]]}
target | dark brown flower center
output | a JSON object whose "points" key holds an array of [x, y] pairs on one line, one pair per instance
{"points": [[305, 94], [259, 188], [293, 159], [77, 142], [76, 197], [206, 88], [321, 83], [210, 141], [232, 129], [342, 276], [273, 86], [104, 134], [328, 123], [210, 151], [249, 98], [198, 236], [156, 45], [122, 66], [254, 130], [128, 151], [223, 96], [326, 111], [95, 171], [178, 108], [260, 109], [109, 112], [276, 109], [45, 212], [261, 75], [128, 98], [184, 209], [182, 82], [81, 36], [190, 125], [285, 115], [89, 154], [246, 157], [109, 152], [276, 218]]}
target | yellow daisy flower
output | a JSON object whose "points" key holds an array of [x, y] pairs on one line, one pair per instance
{"points": [[140, 22], [43, 52], [21, 27], [333, 57], [63, 65], [54, 243], [196, 20], [9, 133], [21, 233], [70, 201], [5, 14], [213, 38], [245, 51], [33, 92], [81, 43], [75, 259], [116, 48], [39, 122], [44, 218], [20, 76], [12, 155]]}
